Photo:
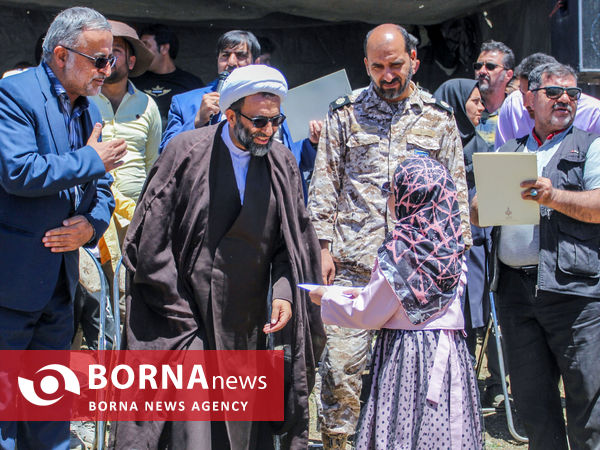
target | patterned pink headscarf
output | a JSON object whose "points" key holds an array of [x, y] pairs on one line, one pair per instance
{"points": [[422, 257]]}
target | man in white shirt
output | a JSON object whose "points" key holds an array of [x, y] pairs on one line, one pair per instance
{"points": [[129, 113]]}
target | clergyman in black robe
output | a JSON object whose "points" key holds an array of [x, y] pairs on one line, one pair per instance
{"points": [[202, 251]]}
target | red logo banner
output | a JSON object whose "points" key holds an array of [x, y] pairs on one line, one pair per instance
{"points": [[141, 385]]}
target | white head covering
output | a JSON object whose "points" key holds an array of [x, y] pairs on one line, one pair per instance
{"points": [[250, 80]]}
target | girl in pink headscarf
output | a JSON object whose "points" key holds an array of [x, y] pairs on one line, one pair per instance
{"points": [[424, 392]]}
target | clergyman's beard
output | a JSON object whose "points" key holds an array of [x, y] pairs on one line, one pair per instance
{"points": [[244, 137], [391, 94]]}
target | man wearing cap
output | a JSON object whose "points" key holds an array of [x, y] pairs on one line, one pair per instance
{"points": [[128, 112], [221, 219]]}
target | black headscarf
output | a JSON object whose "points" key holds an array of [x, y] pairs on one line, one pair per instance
{"points": [[456, 92]]}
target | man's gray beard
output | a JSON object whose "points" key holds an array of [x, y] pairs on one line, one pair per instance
{"points": [[561, 122], [247, 140], [484, 88]]}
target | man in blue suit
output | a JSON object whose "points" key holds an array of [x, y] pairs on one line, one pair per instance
{"points": [[54, 194], [200, 107]]}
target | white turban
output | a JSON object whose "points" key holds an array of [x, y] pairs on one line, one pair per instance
{"points": [[250, 80]]}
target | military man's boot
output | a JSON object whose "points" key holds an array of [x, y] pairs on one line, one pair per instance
{"points": [[334, 441]]}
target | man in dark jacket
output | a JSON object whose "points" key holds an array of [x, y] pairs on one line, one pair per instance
{"points": [[221, 220]]}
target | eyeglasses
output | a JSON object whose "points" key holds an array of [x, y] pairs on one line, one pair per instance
{"points": [[386, 189], [555, 92], [488, 65], [261, 121], [100, 62]]}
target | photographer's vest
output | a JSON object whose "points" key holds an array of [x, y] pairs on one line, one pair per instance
{"points": [[569, 259]]}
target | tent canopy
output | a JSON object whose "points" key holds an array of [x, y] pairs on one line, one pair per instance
{"points": [[312, 37], [417, 12]]}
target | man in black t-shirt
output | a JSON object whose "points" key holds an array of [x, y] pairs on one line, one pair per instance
{"points": [[163, 79]]}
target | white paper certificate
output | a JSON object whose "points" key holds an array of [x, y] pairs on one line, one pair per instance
{"points": [[497, 178], [332, 288]]}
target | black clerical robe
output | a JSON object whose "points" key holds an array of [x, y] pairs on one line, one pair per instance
{"points": [[242, 248], [188, 226]]}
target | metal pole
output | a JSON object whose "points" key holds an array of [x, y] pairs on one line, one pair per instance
{"points": [[100, 425], [509, 417], [116, 308]]}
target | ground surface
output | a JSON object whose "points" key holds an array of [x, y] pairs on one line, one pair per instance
{"points": [[497, 435]]}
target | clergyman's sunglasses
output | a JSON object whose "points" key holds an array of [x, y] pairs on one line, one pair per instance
{"points": [[262, 121], [488, 65], [100, 62], [555, 92]]}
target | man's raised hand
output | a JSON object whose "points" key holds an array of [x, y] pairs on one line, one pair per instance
{"points": [[208, 108], [110, 152]]}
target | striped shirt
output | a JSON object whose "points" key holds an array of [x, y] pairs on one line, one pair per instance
{"points": [[72, 117]]}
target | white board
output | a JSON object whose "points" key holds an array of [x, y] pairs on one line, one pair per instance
{"points": [[311, 101]]}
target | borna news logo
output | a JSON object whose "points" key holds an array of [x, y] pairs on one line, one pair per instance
{"points": [[49, 385], [210, 385]]}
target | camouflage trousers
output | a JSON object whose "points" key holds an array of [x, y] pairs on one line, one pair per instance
{"points": [[345, 357]]}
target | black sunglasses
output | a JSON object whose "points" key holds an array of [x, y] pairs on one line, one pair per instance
{"points": [[261, 121], [488, 65], [100, 62], [555, 92]]}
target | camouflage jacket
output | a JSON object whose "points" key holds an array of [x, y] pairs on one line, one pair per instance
{"points": [[362, 142]]}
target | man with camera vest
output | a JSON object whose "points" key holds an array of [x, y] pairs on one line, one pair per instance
{"points": [[547, 275]]}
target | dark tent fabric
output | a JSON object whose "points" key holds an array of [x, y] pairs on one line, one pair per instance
{"points": [[399, 11], [312, 37]]}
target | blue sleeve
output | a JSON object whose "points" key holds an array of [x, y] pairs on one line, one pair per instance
{"points": [[27, 170], [101, 209], [308, 154], [174, 124], [303, 151], [305, 155]]}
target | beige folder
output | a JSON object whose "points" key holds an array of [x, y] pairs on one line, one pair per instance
{"points": [[497, 178]]}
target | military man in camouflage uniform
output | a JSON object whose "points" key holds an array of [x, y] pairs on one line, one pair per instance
{"points": [[363, 140]]}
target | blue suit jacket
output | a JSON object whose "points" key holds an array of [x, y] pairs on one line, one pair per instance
{"points": [[37, 169], [183, 112]]}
